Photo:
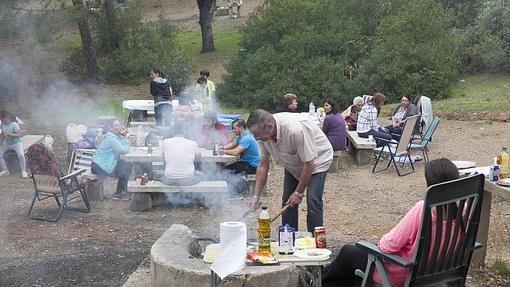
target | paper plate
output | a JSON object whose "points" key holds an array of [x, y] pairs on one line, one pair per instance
{"points": [[462, 164], [314, 253], [504, 182]]}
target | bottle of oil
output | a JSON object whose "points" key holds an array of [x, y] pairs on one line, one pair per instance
{"points": [[503, 163], [264, 231]]}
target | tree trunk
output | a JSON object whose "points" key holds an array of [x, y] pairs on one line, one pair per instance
{"points": [[206, 9], [113, 42], [88, 46]]}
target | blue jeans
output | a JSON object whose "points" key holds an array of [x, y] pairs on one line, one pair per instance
{"points": [[395, 132], [315, 189], [122, 171], [163, 114], [376, 134]]}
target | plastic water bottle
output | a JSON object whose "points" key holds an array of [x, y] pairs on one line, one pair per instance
{"points": [[264, 231], [494, 171], [503, 162], [311, 109]]}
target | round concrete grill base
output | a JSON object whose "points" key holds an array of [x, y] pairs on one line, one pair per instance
{"points": [[174, 262]]}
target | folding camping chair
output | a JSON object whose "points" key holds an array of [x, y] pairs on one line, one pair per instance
{"points": [[49, 183], [427, 137], [443, 251], [400, 152]]}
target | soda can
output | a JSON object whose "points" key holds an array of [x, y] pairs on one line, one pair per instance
{"points": [[494, 172], [320, 236], [286, 239]]}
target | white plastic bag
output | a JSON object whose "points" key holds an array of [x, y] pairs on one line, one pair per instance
{"points": [[74, 132]]}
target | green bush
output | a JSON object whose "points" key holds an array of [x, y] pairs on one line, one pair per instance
{"points": [[307, 46], [412, 53], [142, 46]]}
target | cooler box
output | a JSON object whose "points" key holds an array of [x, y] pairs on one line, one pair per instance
{"points": [[226, 122], [227, 119], [229, 116]]}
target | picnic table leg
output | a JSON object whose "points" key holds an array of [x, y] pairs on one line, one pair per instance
{"points": [[483, 231], [317, 275], [214, 279], [141, 201]]}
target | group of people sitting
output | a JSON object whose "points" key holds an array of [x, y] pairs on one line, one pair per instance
{"points": [[181, 150], [362, 116]]}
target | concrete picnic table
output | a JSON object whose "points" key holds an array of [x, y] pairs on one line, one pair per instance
{"points": [[490, 188], [140, 154]]}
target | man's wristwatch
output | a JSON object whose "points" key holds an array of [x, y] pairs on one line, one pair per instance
{"points": [[299, 194]]}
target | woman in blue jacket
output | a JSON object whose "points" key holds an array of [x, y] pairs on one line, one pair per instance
{"points": [[106, 161]]}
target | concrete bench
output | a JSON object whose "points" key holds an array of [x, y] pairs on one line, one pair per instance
{"points": [[360, 148], [341, 160], [251, 180], [208, 191]]}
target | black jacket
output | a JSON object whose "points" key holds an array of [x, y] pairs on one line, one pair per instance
{"points": [[160, 90]]}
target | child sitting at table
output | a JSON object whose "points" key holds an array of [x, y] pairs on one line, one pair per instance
{"points": [[180, 155]]}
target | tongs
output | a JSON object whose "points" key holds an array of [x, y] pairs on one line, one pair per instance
{"points": [[280, 212]]}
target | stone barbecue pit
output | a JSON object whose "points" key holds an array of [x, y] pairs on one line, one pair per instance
{"points": [[176, 260]]}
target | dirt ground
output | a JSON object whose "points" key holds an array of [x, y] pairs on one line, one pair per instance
{"points": [[105, 246]]}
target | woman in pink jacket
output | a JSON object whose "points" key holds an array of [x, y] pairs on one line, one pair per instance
{"points": [[400, 240]]}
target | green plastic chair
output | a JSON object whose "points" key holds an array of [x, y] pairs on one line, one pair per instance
{"points": [[435, 262], [427, 137]]}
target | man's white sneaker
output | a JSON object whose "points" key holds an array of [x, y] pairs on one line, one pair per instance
{"points": [[24, 174], [4, 172]]}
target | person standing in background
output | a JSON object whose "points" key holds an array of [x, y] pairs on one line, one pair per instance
{"points": [[162, 92], [10, 140], [205, 74]]}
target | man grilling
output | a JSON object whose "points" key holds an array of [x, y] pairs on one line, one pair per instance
{"points": [[298, 144]]}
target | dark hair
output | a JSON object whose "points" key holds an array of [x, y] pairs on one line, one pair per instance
{"points": [[440, 170], [378, 99], [334, 106], [210, 115], [8, 115], [201, 80], [239, 122], [178, 128], [158, 71], [204, 72], [407, 97], [416, 100]]}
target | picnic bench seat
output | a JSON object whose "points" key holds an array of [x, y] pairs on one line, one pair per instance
{"points": [[208, 191], [360, 148], [251, 181], [340, 161]]}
